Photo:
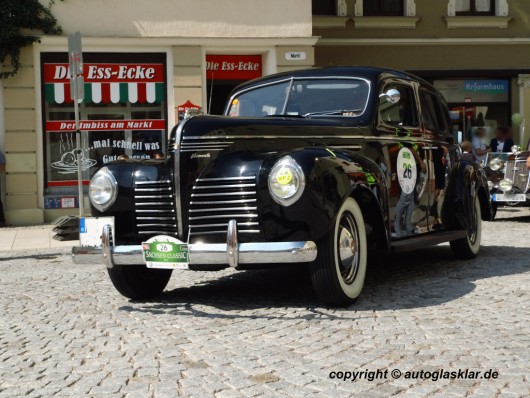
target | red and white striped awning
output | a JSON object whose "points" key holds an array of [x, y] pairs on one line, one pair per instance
{"points": [[98, 93]]}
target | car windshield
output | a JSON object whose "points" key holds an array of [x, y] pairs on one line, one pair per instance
{"points": [[303, 98]]}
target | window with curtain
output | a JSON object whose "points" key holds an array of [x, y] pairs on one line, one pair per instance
{"points": [[383, 8], [475, 7]]}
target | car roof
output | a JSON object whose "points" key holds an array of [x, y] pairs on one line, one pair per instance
{"points": [[370, 73]]}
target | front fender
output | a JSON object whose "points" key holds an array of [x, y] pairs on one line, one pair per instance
{"points": [[331, 177]]}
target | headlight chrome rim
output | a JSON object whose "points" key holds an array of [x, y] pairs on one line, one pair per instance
{"points": [[495, 164], [103, 189], [286, 181], [505, 185]]}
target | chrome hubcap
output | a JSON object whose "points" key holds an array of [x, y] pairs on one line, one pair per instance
{"points": [[348, 248]]}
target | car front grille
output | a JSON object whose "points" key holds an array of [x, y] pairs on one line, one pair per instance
{"points": [[517, 172], [154, 208], [216, 201]]}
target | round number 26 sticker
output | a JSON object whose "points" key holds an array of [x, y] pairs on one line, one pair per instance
{"points": [[406, 170]]}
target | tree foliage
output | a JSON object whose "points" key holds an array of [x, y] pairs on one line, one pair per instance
{"points": [[20, 20]]}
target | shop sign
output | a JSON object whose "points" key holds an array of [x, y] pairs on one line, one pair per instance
{"points": [[233, 67], [107, 83], [295, 56], [458, 91], [188, 105], [106, 125]]}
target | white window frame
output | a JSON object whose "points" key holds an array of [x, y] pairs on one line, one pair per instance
{"points": [[409, 6], [499, 20], [501, 8]]}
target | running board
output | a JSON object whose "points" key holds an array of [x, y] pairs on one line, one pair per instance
{"points": [[430, 239]]}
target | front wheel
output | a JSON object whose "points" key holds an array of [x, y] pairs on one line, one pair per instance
{"points": [[339, 270], [468, 247], [138, 282]]}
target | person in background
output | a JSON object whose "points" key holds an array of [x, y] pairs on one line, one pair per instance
{"points": [[480, 150], [502, 141], [2, 170], [467, 151]]}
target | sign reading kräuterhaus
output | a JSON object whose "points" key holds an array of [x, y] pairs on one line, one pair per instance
{"points": [[165, 252]]}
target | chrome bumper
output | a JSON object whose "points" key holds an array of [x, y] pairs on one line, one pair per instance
{"points": [[230, 253]]}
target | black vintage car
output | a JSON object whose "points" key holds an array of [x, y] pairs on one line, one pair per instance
{"points": [[321, 166]]}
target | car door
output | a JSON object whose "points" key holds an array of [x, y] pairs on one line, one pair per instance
{"points": [[401, 137], [435, 129]]}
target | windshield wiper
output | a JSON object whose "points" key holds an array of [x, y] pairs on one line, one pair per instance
{"points": [[333, 112]]}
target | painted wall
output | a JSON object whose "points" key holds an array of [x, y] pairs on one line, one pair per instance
{"points": [[431, 14], [185, 18]]}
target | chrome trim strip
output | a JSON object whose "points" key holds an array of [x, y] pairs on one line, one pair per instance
{"points": [[154, 211], [209, 143], [154, 204], [248, 223], [157, 225], [309, 137], [223, 186], [151, 182], [224, 202], [176, 177], [346, 146], [156, 218], [249, 215], [157, 232], [201, 149], [227, 178], [152, 189], [221, 209], [242, 193], [154, 196], [223, 231]]}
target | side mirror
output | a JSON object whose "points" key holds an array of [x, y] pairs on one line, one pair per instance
{"points": [[393, 96]]}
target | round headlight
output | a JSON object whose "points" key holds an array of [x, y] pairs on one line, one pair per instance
{"points": [[495, 164], [286, 181], [103, 189], [505, 185]]}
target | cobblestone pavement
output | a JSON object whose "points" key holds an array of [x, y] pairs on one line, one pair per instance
{"points": [[65, 331]]}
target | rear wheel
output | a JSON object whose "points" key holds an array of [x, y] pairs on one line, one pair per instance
{"points": [[339, 270], [138, 282], [468, 247]]}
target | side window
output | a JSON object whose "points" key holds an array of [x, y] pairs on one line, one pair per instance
{"points": [[403, 113], [433, 119]]}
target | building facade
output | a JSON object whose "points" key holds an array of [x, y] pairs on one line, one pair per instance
{"points": [[145, 64], [476, 52]]}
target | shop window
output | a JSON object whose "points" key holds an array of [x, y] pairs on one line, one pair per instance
{"points": [[123, 114]]}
